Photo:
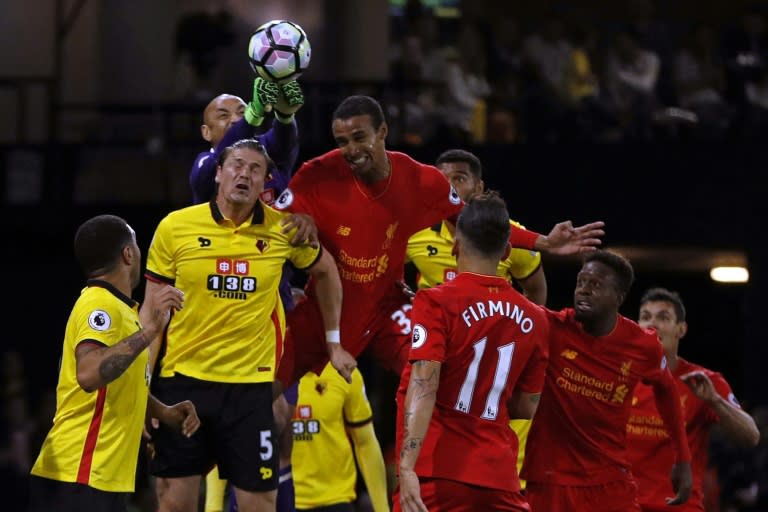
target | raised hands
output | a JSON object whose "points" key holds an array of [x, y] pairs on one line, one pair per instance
{"points": [[289, 101], [564, 239], [264, 99]]}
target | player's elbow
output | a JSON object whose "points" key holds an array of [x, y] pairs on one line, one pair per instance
{"points": [[88, 380], [751, 438], [87, 384]]}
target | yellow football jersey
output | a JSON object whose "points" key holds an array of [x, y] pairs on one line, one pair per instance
{"points": [[326, 405], [430, 251], [232, 325], [521, 428], [95, 436]]}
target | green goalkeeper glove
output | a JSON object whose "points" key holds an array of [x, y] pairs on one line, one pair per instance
{"points": [[264, 98], [289, 101]]}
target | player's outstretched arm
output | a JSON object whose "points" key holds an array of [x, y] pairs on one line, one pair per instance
{"points": [[329, 294], [564, 239], [282, 140], [668, 404], [735, 423], [419, 404], [371, 461]]}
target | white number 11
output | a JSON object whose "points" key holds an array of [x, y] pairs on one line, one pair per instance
{"points": [[504, 363]]}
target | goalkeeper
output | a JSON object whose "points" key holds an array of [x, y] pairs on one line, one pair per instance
{"points": [[227, 119]]}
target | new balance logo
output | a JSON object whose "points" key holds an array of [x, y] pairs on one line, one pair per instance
{"points": [[569, 354], [343, 230], [204, 242], [431, 251]]}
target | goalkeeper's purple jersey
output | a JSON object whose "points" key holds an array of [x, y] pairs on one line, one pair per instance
{"points": [[282, 145]]}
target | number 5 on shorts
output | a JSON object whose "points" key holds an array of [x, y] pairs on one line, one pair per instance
{"points": [[266, 444]]}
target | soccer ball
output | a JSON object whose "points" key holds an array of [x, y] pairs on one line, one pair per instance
{"points": [[279, 51]]}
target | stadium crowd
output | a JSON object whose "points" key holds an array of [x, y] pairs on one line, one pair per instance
{"points": [[570, 74]]}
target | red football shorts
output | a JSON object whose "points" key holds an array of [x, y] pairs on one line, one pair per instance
{"points": [[442, 495], [618, 496], [387, 338]]}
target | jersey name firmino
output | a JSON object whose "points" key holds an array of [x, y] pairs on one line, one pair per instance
{"points": [[480, 310]]}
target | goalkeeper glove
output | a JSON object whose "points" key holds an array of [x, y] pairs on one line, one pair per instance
{"points": [[289, 101], [264, 97]]}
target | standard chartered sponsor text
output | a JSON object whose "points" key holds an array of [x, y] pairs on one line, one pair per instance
{"points": [[585, 385], [362, 269], [361, 263]]}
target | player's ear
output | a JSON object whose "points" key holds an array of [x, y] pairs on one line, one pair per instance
{"points": [[383, 130], [455, 249], [127, 254], [682, 329], [205, 131]]}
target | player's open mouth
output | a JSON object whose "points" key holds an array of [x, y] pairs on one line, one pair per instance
{"points": [[357, 162], [583, 305]]}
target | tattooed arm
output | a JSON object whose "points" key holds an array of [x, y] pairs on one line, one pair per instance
{"points": [[97, 365], [419, 404]]}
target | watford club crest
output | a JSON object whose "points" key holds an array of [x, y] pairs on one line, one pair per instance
{"points": [[262, 245]]}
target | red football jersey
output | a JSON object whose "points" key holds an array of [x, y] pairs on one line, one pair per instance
{"points": [[578, 434], [491, 341], [366, 229], [650, 449]]}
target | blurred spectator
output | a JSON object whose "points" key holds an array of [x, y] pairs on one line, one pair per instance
{"points": [[465, 91], [699, 77], [656, 35], [505, 70], [746, 50], [589, 116], [632, 73], [546, 54], [418, 67], [549, 52]]}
